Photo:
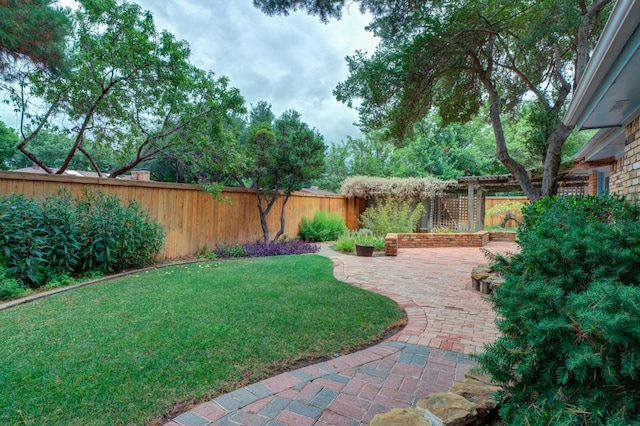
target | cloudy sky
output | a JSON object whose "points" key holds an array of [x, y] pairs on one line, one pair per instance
{"points": [[291, 62]]}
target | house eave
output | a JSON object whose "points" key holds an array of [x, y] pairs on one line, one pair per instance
{"points": [[615, 49]]}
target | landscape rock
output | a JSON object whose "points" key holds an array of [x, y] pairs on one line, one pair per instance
{"points": [[481, 272], [452, 409], [481, 394], [474, 374], [401, 417], [495, 281]]}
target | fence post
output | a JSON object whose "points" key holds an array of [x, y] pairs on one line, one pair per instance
{"points": [[470, 195], [480, 209]]}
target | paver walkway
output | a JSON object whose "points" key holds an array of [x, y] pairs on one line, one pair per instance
{"points": [[447, 321]]}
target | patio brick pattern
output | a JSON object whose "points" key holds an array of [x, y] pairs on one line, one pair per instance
{"points": [[447, 321]]}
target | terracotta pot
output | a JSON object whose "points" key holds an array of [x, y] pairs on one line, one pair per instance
{"points": [[364, 250]]}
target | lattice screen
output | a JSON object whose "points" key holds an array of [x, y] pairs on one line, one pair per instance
{"points": [[448, 211], [573, 190]]}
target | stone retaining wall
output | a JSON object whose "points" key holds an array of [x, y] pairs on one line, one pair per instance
{"points": [[393, 242]]}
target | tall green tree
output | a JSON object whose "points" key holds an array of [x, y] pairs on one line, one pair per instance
{"points": [[282, 156], [128, 87], [433, 149], [33, 30], [52, 148], [456, 54], [8, 142]]}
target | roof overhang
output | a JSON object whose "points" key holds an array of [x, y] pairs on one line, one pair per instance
{"points": [[608, 95], [607, 143]]}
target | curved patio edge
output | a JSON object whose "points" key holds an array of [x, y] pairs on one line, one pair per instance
{"points": [[421, 359]]}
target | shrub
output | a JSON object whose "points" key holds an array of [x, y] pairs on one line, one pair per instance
{"points": [[116, 237], [10, 288], [64, 236], [226, 251], [391, 215], [569, 307], [23, 239], [443, 230], [325, 226], [346, 244]]}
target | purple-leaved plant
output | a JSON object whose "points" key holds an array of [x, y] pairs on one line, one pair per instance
{"points": [[261, 249]]}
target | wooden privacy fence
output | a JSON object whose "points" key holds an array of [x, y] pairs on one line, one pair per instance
{"points": [[191, 218], [497, 220]]}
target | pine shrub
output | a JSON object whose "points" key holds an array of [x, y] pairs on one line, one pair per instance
{"points": [[569, 353], [324, 226]]}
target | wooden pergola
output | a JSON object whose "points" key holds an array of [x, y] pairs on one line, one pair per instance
{"points": [[478, 187]]}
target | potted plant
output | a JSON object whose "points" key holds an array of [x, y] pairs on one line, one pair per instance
{"points": [[364, 240]]}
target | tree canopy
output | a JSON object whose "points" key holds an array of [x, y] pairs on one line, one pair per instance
{"points": [[33, 30], [454, 55], [127, 87], [437, 150], [282, 155]]}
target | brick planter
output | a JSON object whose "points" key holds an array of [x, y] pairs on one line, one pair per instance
{"points": [[393, 242], [502, 236]]}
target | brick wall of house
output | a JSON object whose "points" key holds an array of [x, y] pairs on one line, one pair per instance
{"points": [[624, 175]]}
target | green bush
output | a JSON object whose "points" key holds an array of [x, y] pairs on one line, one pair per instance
{"points": [[569, 353], [10, 288], [226, 251], [391, 215], [64, 236], [116, 237], [325, 226]]}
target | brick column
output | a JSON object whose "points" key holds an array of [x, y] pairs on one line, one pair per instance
{"points": [[391, 245], [593, 183]]}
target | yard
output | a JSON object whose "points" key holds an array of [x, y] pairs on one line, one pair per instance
{"points": [[126, 351]]}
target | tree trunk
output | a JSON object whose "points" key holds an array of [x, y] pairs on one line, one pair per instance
{"points": [[553, 160], [516, 169], [25, 140], [83, 128], [281, 231], [583, 36], [264, 212]]}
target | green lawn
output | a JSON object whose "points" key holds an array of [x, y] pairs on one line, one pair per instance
{"points": [[124, 351]]}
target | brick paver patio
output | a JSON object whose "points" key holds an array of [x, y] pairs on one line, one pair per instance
{"points": [[447, 321]]}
